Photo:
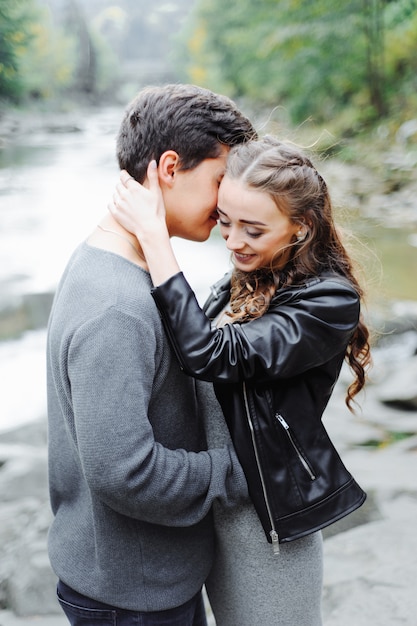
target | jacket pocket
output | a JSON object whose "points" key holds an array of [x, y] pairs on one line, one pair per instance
{"points": [[300, 454]]}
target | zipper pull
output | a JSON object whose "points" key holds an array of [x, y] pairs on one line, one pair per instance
{"points": [[214, 292], [275, 541], [282, 421]]}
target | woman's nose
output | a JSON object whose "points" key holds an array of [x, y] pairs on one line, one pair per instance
{"points": [[234, 241]]}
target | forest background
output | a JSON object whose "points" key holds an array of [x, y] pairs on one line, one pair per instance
{"points": [[350, 66]]}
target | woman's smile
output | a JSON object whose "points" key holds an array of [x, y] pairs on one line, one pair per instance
{"points": [[255, 229], [239, 257]]}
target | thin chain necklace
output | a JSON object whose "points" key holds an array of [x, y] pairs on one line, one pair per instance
{"points": [[114, 232]]}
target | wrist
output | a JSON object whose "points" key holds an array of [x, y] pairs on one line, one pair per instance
{"points": [[153, 234]]}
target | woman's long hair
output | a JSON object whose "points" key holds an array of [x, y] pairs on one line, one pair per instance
{"points": [[291, 180]]}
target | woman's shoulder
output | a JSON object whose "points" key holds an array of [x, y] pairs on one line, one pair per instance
{"points": [[324, 282], [327, 288]]}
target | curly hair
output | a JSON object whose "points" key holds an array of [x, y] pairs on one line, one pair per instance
{"points": [[289, 177]]}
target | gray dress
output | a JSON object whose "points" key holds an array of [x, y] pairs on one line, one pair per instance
{"points": [[248, 585]]}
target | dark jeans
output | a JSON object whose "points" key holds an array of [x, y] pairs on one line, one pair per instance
{"points": [[83, 611]]}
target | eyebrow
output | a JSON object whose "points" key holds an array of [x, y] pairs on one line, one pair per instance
{"points": [[252, 223]]}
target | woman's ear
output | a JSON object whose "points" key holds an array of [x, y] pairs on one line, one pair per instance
{"points": [[168, 165], [302, 231]]}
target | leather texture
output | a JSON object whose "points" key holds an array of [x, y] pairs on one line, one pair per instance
{"points": [[273, 377]]}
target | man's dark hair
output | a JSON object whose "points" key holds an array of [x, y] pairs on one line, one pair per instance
{"points": [[191, 120]]}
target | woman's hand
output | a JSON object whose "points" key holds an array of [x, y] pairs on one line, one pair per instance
{"points": [[139, 209]]}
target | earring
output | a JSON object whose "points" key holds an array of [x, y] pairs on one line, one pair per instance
{"points": [[301, 236]]}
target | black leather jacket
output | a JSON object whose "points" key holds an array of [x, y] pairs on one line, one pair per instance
{"points": [[273, 378]]}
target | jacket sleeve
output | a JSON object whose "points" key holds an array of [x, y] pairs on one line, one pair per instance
{"points": [[297, 333]]}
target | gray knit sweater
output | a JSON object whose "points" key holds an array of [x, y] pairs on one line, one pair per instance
{"points": [[130, 492]]}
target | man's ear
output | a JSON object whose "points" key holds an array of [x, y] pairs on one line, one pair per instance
{"points": [[168, 165]]}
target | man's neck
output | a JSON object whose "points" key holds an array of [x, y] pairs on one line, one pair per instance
{"points": [[111, 235]]}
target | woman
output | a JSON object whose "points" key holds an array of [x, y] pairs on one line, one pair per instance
{"points": [[273, 337]]}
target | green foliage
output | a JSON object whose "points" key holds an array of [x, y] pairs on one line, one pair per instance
{"points": [[47, 67], [45, 56], [397, 13], [15, 38], [314, 58]]}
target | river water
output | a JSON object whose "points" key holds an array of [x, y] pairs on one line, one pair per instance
{"points": [[54, 186]]}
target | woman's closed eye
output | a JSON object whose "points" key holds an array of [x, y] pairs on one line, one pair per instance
{"points": [[254, 234]]}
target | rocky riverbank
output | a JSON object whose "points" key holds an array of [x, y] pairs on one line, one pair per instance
{"points": [[370, 556], [370, 568]]}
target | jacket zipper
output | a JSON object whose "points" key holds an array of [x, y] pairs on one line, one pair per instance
{"points": [[273, 533], [301, 458]]}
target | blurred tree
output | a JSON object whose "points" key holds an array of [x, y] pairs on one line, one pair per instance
{"points": [[49, 54], [373, 26], [85, 76], [141, 36], [47, 66], [62, 50], [316, 58], [15, 37], [401, 58]]}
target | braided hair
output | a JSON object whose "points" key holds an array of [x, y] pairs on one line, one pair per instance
{"points": [[289, 177]]}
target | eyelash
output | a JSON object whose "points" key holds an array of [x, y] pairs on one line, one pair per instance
{"points": [[252, 235]]}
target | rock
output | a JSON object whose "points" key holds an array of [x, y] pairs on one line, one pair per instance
{"points": [[14, 517], [32, 583], [397, 318], [23, 472], [27, 583], [368, 572], [400, 388], [393, 376], [19, 313], [390, 468], [8, 618], [406, 131], [368, 512], [23, 463], [34, 434]]}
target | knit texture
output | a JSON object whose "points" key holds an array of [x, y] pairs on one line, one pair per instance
{"points": [[248, 584], [130, 481]]}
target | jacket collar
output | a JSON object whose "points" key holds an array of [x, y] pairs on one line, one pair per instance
{"points": [[220, 291]]}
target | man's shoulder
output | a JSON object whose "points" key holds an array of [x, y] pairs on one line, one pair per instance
{"points": [[96, 284], [91, 268]]}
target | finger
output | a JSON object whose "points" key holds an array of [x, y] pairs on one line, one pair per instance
{"points": [[125, 177], [120, 188], [116, 200], [122, 191], [152, 173]]}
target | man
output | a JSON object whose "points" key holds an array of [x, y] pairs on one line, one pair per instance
{"points": [[131, 481]]}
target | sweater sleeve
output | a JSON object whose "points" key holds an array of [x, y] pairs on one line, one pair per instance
{"points": [[111, 375], [297, 333]]}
